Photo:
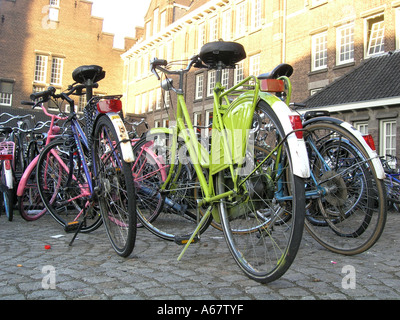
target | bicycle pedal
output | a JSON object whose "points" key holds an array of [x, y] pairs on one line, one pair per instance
{"points": [[182, 240], [71, 226]]}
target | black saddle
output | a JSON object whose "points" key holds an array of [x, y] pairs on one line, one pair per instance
{"points": [[6, 130], [282, 69], [227, 53], [92, 73]]}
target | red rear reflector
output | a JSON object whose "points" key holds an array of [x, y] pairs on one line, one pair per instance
{"points": [[297, 125], [109, 105], [6, 156], [272, 85], [7, 164], [370, 141]]}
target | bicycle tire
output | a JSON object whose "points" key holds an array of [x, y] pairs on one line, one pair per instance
{"points": [[178, 217], [30, 204], [116, 192], [8, 200], [270, 229], [351, 216], [62, 195]]}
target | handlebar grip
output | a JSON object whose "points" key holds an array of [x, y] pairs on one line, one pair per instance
{"points": [[43, 94], [159, 62]]}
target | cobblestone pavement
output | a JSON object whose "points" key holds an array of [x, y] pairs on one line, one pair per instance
{"points": [[90, 269]]}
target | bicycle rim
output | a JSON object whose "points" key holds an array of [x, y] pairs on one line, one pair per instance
{"points": [[263, 232], [179, 215], [63, 186], [116, 195], [350, 216]]}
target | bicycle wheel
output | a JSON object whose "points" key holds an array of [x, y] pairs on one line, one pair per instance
{"points": [[350, 214], [8, 196], [63, 187], [263, 223], [30, 205], [171, 214], [116, 192]]}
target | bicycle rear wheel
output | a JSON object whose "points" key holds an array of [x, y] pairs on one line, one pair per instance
{"points": [[171, 214], [30, 205], [63, 187], [263, 223], [350, 215], [116, 192]]}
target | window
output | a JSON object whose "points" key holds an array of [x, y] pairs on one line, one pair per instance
{"points": [[211, 82], [388, 137], [201, 35], [158, 99], [155, 21], [256, 14], [213, 29], [254, 68], [6, 91], [225, 78], [362, 127], [319, 51], [345, 44], [163, 19], [56, 71], [375, 35], [81, 103], [151, 100], [54, 9], [241, 19], [239, 72], [226, 33], [144, 102], [199, 86], [137, 104], [40, 68]]}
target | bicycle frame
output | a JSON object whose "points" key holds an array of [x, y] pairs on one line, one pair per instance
{"points": [[230, 120]]}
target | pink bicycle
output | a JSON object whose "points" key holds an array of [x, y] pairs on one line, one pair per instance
{"points": [[30, 204]]}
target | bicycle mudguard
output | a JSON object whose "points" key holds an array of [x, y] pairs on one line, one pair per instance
{"points": [[297, 147], [380, 172], [122, 134]]}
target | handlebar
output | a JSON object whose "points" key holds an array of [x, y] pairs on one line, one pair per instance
{"points": [[160, 63]]}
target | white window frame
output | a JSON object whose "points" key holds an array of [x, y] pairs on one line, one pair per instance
{"points": [[226, 27], [199, 86], [388, 130], [155, 20], [41, 68], [213, 29], [57, 67], [345, 44], [151, 100], [225, 78], [54, 10], [254, 65], [374, 36], [241, 19], [6, 97], [319, 51], [239, 72], [201, 35], [211, 81], [256, 14], [361, 126]]}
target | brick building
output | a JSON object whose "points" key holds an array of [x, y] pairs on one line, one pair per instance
{"points": [[43, 41], [322, 39]]}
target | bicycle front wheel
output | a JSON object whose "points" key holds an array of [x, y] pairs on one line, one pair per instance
{"points": [[116, 193], [263, 222], [350, 214]]}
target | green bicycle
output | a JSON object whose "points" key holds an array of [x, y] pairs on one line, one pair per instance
{"points": [[256, 194]]}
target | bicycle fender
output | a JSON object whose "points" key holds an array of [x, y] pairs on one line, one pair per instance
{"points": [[297, 147], [380, 173], [9, 179], [123, 137], [24, 179]]}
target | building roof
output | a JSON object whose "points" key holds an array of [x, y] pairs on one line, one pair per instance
{"points": [[375, 78]]}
